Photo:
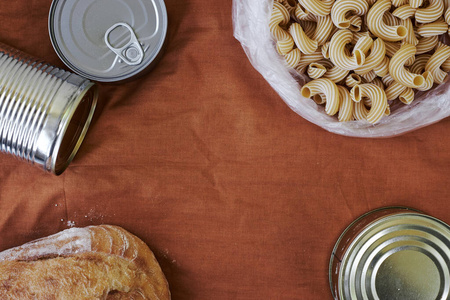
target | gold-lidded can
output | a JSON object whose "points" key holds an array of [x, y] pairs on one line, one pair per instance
{"points": [[45, 111], [392, 253]]}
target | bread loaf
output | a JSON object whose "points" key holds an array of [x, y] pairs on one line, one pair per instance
{"points": [[95, 262]]}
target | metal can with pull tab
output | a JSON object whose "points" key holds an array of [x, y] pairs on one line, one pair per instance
{"points": [[392, 253], [108, 40]]}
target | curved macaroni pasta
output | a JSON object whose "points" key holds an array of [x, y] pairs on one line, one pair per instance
{"points": [[316, 70], [293, 58], [447, 16], [391, 48], [383, 68], [433, 65], [368, 77], [398, 71], [300, 13], [326, 87], [379, 28], [430, 29], [377, 97], [419, 64], [337, 51], [336, 74], [415, 3], [377, 81], [398, 3], [394, 90], [323, 29], [308, 27], [431, 13], [355, 23], [326, 50], [346, 106], [352, 80], [307, 59], [360, 54], [364, 44], [302, 41], [360, 111], [404, 12], [407, 96], [280, 17], [318, 7], [428, 81], [410, 38], [341, 8], [426, 44], [374, 59]]}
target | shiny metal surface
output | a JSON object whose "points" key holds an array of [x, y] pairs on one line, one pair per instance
{"points": [[44, 111], [87, 37], [392, 253]]}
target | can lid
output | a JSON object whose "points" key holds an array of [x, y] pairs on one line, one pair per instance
{"points": [[402, 256], [108, 40]]}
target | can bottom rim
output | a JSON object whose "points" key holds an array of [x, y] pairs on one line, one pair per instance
{"points": [[75, 124]]}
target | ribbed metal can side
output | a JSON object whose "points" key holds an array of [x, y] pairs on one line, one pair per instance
{"points": [[37, 103]]}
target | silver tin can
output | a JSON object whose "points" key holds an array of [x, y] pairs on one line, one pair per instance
{"points": [[108, 40], [45, 111], [392, 253]]}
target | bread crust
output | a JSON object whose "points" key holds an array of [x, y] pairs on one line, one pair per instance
{"points": [[95, 262]]}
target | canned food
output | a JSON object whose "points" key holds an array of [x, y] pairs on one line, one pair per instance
{"points": [[108, 40], [45, 112], [392, 253]]}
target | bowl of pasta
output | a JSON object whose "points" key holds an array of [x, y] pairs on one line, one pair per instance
{"points": [[362, 68]]}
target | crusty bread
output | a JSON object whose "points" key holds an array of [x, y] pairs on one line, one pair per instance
{"points": [[95, 262]]}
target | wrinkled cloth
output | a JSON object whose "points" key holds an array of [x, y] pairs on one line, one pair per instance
{"points": [[237, 195]]}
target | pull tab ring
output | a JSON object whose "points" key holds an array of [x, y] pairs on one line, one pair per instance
{"points": [[132, 53]]}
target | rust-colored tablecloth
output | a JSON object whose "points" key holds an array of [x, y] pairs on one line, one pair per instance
{"points": [[238, 197]]}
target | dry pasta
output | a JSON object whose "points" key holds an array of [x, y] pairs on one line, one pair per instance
{"points": [[326, 87], [430, 29], [336, 74], [316, 70], [404, 12], [374, 59], [323, 29], [433, 65], [337, 52], [318, 7], [360, 54], [302, 41], [382, 69], [368, 77], [341, 8], [431, 13], [280, 17], [410, 37], [426, 44], [407, 96], [379, 28], [352, 80], [307, 59], [447, 16], [376, 95], [397, 67], [398, 3], [346, 106], [394, 90], [293, 58], [415, 3], [355, 23]]}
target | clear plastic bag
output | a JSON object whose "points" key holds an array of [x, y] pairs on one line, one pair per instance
{"points": [[251, 29]]}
